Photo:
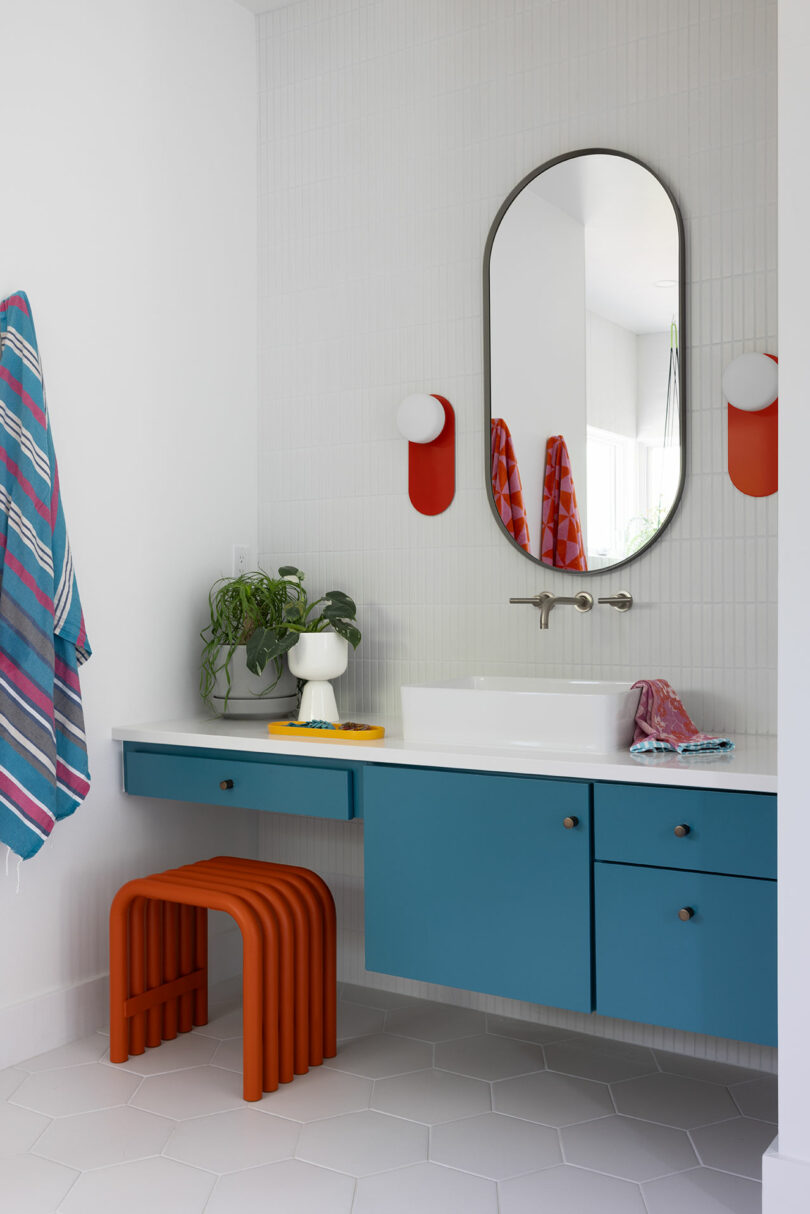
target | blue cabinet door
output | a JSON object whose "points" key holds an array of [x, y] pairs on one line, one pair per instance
{"points": [[713, 972], [474, 881]]}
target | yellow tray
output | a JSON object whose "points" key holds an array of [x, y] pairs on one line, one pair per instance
{"points": [[287, 730]]}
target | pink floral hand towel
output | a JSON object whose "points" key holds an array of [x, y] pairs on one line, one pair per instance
{"points": [[662, 723]]}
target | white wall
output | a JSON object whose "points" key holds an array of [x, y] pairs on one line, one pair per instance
{"points": [[611, 376], [390, 134], [537, 291], [786, 1175], [128, 215]]}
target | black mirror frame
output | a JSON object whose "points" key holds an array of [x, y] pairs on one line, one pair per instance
{"points": [[681, 356]]}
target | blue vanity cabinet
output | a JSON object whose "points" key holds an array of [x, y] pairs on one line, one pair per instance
{"points": [[315, 788], [685, 909], [480, 881]]}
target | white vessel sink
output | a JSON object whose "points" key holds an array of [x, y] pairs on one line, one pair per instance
{"points": [[547, 714]]}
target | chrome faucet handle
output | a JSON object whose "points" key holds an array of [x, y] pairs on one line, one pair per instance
{"points": [[536, 600], [622, 600]]}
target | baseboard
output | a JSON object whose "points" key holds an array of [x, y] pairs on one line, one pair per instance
{"points": [[785, 1183], [52, 1019]]}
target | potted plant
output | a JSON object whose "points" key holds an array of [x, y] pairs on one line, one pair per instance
{"points": [[316, 637], [238, 607], [256, 619]]}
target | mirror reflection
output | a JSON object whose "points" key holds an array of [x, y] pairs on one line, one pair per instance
{"points": [[583, 289]]}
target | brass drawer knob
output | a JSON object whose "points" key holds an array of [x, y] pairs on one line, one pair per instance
{"points": [[225, 785], [570, 823], [682, 831], [685, 914]]}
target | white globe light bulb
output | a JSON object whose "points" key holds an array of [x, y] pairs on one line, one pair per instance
{"points": [[751, 382], [420, 418]]}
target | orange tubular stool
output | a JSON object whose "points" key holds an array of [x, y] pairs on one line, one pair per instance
{"points": [[158, 963]]}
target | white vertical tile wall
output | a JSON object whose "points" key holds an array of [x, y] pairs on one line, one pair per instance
{"points": [[389, 134]]}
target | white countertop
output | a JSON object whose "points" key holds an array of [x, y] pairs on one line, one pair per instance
{"points": [[751, 767]]}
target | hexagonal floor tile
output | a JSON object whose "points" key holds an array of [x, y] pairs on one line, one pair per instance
{"points": [[146, 1184], [759, 1098], [489, 1057], [431, 1096], [190, 1093], [525, 1030], [34, 1185], [108, 1136], [673, 1100], [590, 1060], [363, 1143], [320, 1093], [10, 1080], [355, 1020], [228, 1053], [552, 1099], [87, 1049], [633, 1150], [185, 1051], [380, 1056], [735, 1146], [228, 1142], [425, 1187], [495, 1146], [294, 1185], [568, 1188], [19, 1129], [703, 1191], [439, 1022], [75, 1089], [229, 1024], [702, 1068]]}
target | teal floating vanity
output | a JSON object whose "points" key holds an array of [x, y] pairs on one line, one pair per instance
{"points": [[595, 883]]}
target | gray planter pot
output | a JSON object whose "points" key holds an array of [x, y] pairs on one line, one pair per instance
{"points": [[248, 697]]}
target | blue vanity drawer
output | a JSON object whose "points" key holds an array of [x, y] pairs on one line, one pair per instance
{"points": [[283, 788], [714, 973], [728, 832]]}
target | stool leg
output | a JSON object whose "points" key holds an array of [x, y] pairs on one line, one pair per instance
{"points": [[119, 914], [201, 963], [154, 967], [137, 971], [171, 929], [186, 965], [263, 906]]}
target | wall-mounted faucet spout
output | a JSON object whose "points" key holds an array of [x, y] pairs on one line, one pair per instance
{"points": [[545, 601]]}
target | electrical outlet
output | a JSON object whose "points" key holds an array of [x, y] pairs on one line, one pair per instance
{"points": [[240, 559]]}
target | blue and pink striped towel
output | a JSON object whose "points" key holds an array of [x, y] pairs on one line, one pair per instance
{"points": [[44, 774]]}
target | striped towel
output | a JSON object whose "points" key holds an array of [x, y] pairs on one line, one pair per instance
{"points": [[43, 752]]}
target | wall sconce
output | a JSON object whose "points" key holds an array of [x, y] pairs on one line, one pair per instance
{"points": [[429, 424], [751, 387]]}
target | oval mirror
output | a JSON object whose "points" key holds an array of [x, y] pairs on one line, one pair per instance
{"points": [[583, 361]]}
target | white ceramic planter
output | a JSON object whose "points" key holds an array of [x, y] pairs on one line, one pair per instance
{"points": [[248, 697], [318, 657]]}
